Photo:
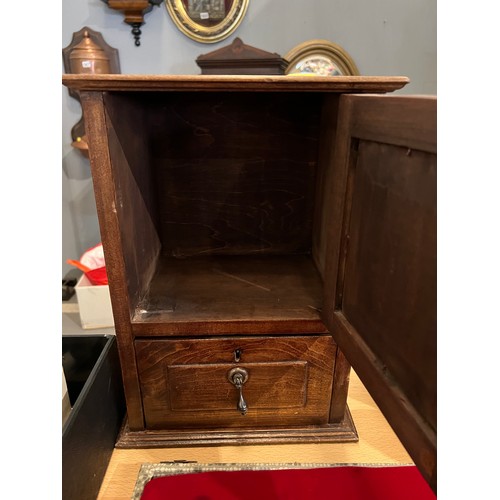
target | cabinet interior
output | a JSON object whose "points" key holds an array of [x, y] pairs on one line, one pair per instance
{"points": [[220, 199]]}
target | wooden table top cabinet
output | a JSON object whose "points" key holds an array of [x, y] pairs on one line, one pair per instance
{"points": [[262, 235]]}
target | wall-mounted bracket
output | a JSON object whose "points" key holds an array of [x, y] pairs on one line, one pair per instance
{"points": [[134, 11]]}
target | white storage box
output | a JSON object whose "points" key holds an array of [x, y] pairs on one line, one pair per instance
{"points": [[94, 303]]}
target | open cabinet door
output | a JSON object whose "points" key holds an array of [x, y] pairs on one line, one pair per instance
{"points": [[380, 280]]}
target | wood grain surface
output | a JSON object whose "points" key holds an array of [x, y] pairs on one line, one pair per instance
{"points": [[380, 304], [235, 83], [111, 233], [184, 383], [215, 294], [221, 204], [235, 173]]}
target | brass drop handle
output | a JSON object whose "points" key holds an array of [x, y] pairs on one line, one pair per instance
{"points": [[237, 377]]}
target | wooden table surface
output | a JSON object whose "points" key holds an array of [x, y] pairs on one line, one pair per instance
{"points": [[377, 445]]}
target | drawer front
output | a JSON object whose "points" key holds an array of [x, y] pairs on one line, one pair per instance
{"points": [[188, 383]]}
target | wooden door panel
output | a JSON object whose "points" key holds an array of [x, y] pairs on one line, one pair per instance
{"points": [[380, 280], [389, 292]]}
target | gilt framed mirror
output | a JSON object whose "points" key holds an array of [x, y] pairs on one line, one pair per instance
{"points": [[207, 21]]}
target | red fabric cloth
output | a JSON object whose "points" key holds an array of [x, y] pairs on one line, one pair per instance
{"points": [[343, 483]]}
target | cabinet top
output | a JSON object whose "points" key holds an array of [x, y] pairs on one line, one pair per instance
{"points": [[236, 83]]}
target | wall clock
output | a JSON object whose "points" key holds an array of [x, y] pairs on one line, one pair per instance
{"points": [[320, 57]]}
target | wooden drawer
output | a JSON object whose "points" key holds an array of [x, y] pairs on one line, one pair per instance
{"points": [[184, 383]]}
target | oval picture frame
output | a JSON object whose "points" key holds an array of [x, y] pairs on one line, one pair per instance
{"points": [[206, 34], [317, 56]]}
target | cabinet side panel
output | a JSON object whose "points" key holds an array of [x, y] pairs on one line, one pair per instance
{"points": [[106, 201], [136, 202]]}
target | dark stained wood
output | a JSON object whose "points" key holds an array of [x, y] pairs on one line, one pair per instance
{"points": [[221, 204], [340, 388], [235, 172], [219, 293], [342, 161], [236, 83], [381, 279], [325, 181], [257, 327], [238, 58], [386, 123], [342, 432], [417, 436], [135, 194], [106, 202], [184, 382], [274, 385], [389, 290]]}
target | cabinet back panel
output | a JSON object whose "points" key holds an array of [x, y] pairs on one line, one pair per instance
{"points": [[235, 173]]}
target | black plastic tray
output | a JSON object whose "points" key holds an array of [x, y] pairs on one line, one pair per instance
{"points": [[92, 370]]}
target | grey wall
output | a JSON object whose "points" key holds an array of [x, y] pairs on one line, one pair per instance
{"points": [[384, 37]]}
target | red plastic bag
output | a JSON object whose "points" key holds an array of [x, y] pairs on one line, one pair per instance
{"points": [[93, 265]]}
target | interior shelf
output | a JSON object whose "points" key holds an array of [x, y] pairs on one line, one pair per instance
{"points": [[232, 292]]}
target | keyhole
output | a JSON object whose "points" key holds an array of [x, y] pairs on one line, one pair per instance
{"points": [[237, 355]]}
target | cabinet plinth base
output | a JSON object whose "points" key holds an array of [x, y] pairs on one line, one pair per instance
{"points": [[341, 432]]}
